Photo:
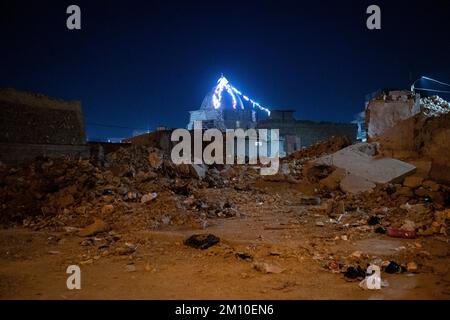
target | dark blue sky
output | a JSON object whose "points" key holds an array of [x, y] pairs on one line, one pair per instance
{"points": [[138, 64]]}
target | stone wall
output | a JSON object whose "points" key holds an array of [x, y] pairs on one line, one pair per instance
{"points": [[33, 125], [36, 119]]}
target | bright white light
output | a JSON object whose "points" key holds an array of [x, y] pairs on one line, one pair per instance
{"points": [[222, 84]]}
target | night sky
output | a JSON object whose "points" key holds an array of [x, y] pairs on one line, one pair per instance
{"points": [[139, 64]]}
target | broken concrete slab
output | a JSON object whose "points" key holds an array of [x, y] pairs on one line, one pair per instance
{"points": [[200, 169], [360, 160]]}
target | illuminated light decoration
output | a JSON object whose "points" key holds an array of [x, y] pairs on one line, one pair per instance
{"points": [[223, 84]]}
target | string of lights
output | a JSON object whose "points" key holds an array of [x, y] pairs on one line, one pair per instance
{"points": [[224, 84], [440, 82]]}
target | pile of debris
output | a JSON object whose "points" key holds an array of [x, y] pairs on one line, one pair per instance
{"points": [[434, 106], [134, 187]]}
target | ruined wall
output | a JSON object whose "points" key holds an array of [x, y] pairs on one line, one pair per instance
{"points": [[386, 110], [421, 137], [33, 124], [34, 118]]}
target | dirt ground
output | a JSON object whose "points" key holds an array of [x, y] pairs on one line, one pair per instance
{"points": [[33, 263]]}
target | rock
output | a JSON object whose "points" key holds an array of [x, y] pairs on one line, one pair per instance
{"points": [[155, 160], [411, 267], [267, 268], [126, 249], [412, 182], [356, 254], [320, 224], [94, 228], [130, 268], [311, 201], [431, 185], [421, 192], [202, 241], [419, 208], [148, 197], [66, 200], [355, 184], [107, 209], [404, 191], [200, 170], [332, 181], [408, 225], [80, 210]]}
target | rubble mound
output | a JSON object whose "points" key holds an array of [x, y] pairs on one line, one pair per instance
{"points": [[434, 106]]}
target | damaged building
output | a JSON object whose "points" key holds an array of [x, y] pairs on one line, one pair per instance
{"points": [[33, 125]]}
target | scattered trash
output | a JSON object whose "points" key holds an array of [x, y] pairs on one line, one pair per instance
{"points": [[354, 272], [148, 197], [202, 241], [400, 233], [411, 267], [392, 267], [381, 230], [244, 256], [373, 278], [373, 220]]}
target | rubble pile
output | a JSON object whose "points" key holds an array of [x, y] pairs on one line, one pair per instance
{"points": [[319, 149], [136, 187], [434, 106]]}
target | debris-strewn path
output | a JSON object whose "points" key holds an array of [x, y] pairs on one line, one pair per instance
{"points": [[283, 237]]}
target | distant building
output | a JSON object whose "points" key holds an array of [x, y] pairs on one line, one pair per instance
{"points": [[225, 117], [296, 134]]}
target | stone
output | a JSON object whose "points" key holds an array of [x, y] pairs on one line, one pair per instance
{"points": [[107, 209], [355, 184], [408, 225], [421, 192], [332, 181], [404, 191], [148, 197], [201, 241], [130, 268], [80, 210], [200, 170], [66, 200], [310, 201], [97, 227], [155, 160], [265, 267], [412, 267], [431, 185], [412, 182]]}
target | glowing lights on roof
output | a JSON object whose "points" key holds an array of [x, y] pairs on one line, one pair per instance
{"points": [[223, 84]]}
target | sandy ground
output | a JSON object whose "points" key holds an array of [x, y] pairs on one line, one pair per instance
{"points": [[33, 264]]}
